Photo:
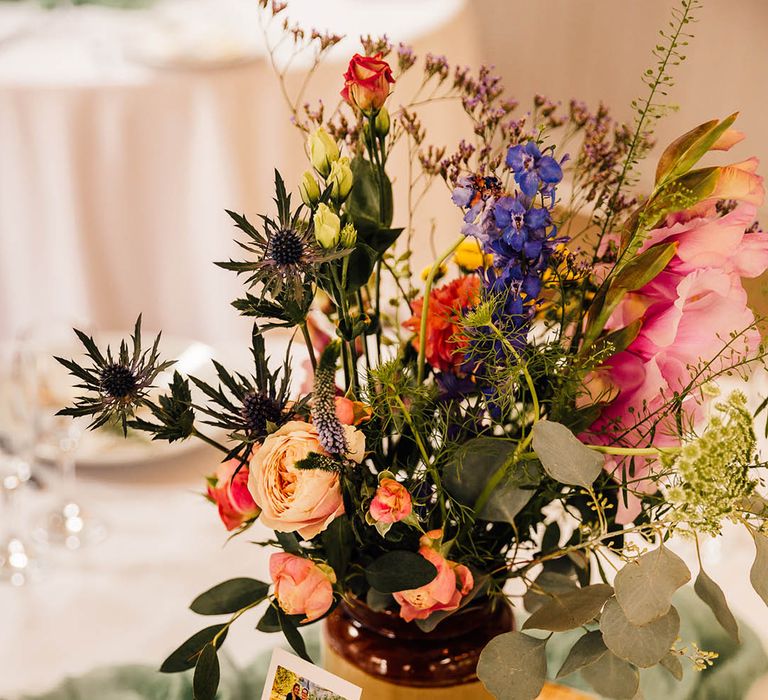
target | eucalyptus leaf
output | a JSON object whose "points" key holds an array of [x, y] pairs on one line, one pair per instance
{"points": [[714, 597], [230, 596], [205, 682], [400, 570], [566, 611], [550, 582], [673, 664], [564, 457], [185, 656], [644, 587], [642, 645], [758, 574], [513, 666], [378, 601], [612, 677], [475, 463], [587, 650]]}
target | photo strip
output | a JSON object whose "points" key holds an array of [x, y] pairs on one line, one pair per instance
{"points": [[292, 678]]}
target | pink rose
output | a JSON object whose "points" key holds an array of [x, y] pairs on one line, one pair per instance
{"points": [[392, 502], [293, 499], [366, 82], [231, 495], [301, 586], [444, 592]]}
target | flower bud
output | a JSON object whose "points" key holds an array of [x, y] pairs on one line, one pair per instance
{"points": [[309, 189], [348, 236], [340, 179], [323, 151], [382, 122], [327, 227]]}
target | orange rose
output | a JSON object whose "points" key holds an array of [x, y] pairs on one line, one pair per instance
{"points": [[366, 83], [301, 586], [444, 343]]}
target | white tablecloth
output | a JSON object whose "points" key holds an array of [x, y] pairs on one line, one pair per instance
{"points": [[114, 175]]}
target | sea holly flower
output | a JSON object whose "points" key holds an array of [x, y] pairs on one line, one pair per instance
{"points": [[366, 83], [531, 168], [302, 587], [444, 592], [228, 489]]}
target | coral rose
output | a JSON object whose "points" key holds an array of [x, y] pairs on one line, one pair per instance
{"points": [[392, 502], [444, 592], [366, 83], [302, 587], [229, 491], [445, 344], [293, 499]]}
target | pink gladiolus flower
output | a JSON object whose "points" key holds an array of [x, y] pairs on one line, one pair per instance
{"points": [[392, 502], [688, 312], [444, 592], [231, 495], [302, 587]]}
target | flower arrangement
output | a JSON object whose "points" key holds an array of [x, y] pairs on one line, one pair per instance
{"points": [[546, 413]]}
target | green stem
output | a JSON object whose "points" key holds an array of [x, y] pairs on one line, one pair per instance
{"points": [[310, 347], [196, 433], [425, 306], [632, 451]]}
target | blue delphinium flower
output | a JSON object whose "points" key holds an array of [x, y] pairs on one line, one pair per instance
{"points": [[531, 168]]}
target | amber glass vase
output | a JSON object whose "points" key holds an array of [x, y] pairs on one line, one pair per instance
{"points": [[394, 660]]}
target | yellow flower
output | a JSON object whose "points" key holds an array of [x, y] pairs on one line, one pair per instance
{"points": [[340, 179], [309, 189], [442, 272], [323, 151], [327, 227], [469, 256]]}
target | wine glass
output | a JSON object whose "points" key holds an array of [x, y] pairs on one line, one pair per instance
{"points": [[19, 559]]}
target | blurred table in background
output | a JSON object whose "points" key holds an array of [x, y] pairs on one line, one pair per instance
{"points": [[124, 134]]}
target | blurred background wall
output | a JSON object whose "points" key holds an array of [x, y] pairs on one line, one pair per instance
{"points": [[114, 172]]}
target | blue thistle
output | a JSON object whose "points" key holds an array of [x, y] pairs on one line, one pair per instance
{"points": [[330, 431]]}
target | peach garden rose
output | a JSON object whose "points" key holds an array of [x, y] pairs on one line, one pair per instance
{"points": [[302, 587], [292, 499]]}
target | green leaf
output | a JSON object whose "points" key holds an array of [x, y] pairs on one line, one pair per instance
{"points": [[551, 582], [473, 465], [400, 570], [684, 152], [362, 260], [513, 666], [567, 611], [289, 543], [564, 457], [338, 541], [230, 596], [642, 645], [378, 601], [292, 635], [644, 587], [714, 597], [270, 620], [758, 574], [206, 679], [612, 677], [370, 202], [672, 663], [185, 656], [586, 651]]}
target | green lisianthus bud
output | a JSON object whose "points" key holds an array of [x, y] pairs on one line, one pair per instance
{"points": [[309, 189], [382, 122], [340, 179], [327, 227], [323, 151], [348, 236]]}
